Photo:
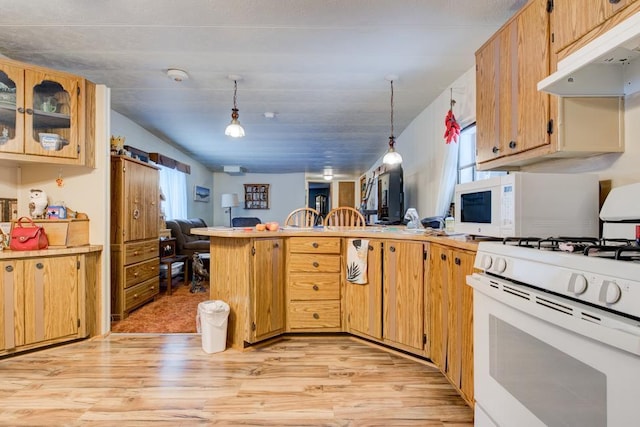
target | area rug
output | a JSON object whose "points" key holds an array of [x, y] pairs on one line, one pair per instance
{"points": [[175, 313]]}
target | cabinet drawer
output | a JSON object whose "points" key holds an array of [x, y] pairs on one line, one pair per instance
{"points": [[140, 251], [140, 293], [307, 263], [319, 245], [136, 273], [314, 286], [314, 315]]}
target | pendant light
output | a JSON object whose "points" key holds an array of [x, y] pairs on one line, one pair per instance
{"points": [[392, 157], [234, 129]]}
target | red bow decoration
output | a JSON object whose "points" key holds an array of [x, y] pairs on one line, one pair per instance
{"points": [[452, 131]]}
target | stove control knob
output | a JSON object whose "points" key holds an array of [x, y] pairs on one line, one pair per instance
{"points": [[578, 284], [486, 262], [610, 292], [500, 265]]}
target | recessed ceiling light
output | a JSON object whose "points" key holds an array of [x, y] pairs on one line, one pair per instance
{"points": [[270, 115], [177, 75]]}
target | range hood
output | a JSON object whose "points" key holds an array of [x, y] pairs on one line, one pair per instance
{"points": [[606, 66]]}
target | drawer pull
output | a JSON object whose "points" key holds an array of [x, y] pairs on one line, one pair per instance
{"points": [[315, 245], [316, 288], [135, 295], [136, 253], [315, 264], [135, 274], [316, 316]]}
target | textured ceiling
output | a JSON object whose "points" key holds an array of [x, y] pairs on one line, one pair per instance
{"points": [[320, 65]]}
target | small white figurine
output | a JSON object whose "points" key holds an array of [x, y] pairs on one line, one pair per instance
{"points": [[38, 204]]}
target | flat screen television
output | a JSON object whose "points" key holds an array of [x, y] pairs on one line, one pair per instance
{"points": [[391, 197]]}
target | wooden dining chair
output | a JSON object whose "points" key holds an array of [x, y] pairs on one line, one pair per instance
{"points": [[344, 217], [302, 217]]}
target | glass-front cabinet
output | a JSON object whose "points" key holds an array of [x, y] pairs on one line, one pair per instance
{"points": [[39, 112]]}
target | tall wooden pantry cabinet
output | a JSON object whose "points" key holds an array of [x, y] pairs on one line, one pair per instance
{"points": [[135, 216]]}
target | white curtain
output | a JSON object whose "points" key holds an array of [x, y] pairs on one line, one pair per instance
{"points": [[448, 179], [173, 185]]}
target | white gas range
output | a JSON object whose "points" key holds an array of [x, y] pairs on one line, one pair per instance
{"points": [[557, 330]]}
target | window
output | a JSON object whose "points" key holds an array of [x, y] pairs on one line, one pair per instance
{"points": [[467, 158], [173, 185]]}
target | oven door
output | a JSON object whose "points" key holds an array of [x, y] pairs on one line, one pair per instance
{"points": [[530, 370]]}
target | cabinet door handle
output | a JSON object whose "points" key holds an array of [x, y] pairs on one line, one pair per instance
{"points": [[315, 245], [512, 144], [457, 261], [276, 245], [9, 268], [39, 266], [21, 110], [29, 111], [136, 213], [315, 264], [316, 316], [614, 1], [392, 248], [443, 257], [370, 247], [495, 150], [316, 288]]}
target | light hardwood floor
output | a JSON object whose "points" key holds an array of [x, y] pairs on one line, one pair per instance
{"points": [[167, 380]]}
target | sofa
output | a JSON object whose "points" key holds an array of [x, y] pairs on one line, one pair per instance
{"points": [[187, 243], [245, 221]]}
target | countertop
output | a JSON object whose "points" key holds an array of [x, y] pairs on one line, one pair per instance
{"points": [[460, 241]]}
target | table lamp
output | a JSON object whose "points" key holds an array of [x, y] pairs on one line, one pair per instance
{"points": [[230, 200]]}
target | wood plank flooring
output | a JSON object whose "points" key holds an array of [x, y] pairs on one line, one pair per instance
{"points": [[167, 380]]}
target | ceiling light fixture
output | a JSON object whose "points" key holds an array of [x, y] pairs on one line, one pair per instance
{"points": [[328, 174], [177, 75], [234, 129], [392, 157]]}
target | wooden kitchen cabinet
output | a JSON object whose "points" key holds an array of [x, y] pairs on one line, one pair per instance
{"points": [[35, 100], [44, 300], [449, 315], [267, 289], [134, 234], [571, 20], [512, 116], [403, 295], [313, 284], [363, 303]]}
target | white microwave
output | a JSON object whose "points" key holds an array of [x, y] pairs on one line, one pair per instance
{"points": [[524, 204]]}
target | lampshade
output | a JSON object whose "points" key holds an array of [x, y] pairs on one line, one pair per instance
{"points": [[392, 157], [230, 200], [234, 129]]}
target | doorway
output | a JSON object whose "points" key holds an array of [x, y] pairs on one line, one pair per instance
{"points": [[319, 196]]}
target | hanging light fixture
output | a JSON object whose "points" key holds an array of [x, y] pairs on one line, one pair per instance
{"points": [[392, 157], [234, 129]]}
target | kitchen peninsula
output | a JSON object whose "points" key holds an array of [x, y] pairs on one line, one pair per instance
{"points": [[414, 298]]}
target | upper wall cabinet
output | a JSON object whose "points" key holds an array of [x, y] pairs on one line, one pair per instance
{"points": [[571, 19], [42, 115], [519, 125], [511, 115]]}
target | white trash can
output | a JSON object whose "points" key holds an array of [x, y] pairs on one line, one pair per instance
{"points": [[211, 323]]}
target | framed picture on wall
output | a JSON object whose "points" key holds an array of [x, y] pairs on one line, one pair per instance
{"points": [[256, 196], [201, 194]]}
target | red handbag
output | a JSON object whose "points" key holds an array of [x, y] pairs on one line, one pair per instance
{"points": [[29, 238]]}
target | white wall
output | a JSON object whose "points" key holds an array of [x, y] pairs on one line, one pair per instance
{"points": [[138, 137], [424, 151], [286, 193]]}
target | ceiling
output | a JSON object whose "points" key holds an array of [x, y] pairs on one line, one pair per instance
{"points": [[319, 65]]}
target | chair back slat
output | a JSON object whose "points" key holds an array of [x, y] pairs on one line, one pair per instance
{"points": [[302, 217], [344, 216]]}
